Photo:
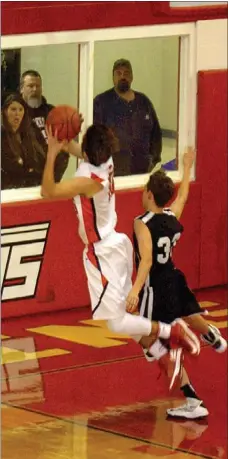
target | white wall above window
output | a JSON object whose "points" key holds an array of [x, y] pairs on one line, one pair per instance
{"points": [[212, 44]]}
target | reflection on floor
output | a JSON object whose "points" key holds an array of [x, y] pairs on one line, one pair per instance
{"points": [[71, 389]]}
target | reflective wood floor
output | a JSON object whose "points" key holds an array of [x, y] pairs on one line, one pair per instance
{"points": [[73, 390]]}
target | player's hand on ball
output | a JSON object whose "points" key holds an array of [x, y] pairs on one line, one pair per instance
{"points": [[54, 146], [189, 157], [132, 300]]}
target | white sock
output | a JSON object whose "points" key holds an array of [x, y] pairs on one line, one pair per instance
{"points": [[164, 330], [157, 350]]}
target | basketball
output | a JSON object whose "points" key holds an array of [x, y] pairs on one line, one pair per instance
{"points": [[65, 120]]}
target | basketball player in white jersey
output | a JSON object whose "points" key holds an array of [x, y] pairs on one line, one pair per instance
{"points": [[107, 255], [160, 289]]}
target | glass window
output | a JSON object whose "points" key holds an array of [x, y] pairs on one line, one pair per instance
{"points": [[77, 66], [42, 76], [10, 70], [136, 94]]}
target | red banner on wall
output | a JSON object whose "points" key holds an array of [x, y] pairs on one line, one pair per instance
{"points": [[35, 17]]}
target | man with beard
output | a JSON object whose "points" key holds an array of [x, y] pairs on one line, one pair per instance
{"points": [[132, 117], [38, 108]]}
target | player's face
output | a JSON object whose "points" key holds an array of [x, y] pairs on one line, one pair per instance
{"points": [[32, 91], [14, 114], [122, 79]]}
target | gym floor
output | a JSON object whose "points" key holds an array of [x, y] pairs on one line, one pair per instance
{"points": [[73, 390]]}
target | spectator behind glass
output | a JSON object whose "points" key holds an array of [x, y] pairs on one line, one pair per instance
{"points": [[132, 117], [38, 109], [22, 157]]}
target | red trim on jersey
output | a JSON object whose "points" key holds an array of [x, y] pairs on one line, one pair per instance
{"points": [[96, 178], [89, 219], [89, 215], [95, 262]]}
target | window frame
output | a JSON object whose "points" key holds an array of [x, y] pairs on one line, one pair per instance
{"points": [[87, 39]]}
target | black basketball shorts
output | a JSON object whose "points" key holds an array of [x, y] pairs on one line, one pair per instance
{"points": [[168, 299]]}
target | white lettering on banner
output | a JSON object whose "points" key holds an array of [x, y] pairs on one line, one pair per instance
{"points": [[22, 251]]}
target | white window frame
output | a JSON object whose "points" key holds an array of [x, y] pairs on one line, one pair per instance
{"points": [[87, 40]]}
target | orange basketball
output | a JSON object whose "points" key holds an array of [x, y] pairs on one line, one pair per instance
{"points": [[65, 120]]}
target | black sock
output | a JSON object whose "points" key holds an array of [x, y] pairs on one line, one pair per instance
{"points": [[189, 392]]}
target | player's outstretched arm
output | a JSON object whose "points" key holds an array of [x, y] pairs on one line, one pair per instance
{"points": [[146, 259], [177, 206], [69, 188]]}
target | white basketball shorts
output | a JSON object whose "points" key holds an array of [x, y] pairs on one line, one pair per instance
{"points": [[108, 266]]}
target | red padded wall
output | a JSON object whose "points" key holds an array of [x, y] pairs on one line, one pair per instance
{"points": [[62, 283], [212, 174]]}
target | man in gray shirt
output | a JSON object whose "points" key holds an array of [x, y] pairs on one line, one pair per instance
{"points": [[132, 117]]}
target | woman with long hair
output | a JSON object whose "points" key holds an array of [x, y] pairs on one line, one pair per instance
{"points": [[23, 158]]}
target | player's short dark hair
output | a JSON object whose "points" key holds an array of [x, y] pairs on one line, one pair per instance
{"points": [[32, 73], [99, 143], [162, 187]]}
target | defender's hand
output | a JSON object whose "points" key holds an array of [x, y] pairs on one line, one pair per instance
{"points": [[189, 158], [132, 300]]}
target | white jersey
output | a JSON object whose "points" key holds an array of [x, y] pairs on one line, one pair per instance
{"points": [[97, 215]]}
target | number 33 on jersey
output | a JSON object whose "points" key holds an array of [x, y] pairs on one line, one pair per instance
{"points": [[165, 231]]}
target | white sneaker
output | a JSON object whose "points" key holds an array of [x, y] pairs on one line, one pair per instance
{"points": [[215, 339], [193, 409]]}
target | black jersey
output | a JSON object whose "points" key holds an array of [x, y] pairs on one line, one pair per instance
{"points": [[165, 231]]}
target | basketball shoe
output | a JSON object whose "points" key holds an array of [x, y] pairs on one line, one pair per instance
{"points": [[182, 336], [193, 409], [215, 339]]}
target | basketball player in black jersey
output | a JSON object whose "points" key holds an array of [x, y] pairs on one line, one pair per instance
{"points": [[160, 290]]}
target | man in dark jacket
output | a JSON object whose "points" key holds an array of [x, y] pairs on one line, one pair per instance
{"points": [[132, 117], [31, 91]]}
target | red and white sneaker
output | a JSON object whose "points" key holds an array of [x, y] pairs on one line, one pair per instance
{"points": [[172, 365], [182, 336]]}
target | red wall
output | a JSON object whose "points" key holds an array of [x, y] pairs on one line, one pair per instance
{"points": [[211, 172]]}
